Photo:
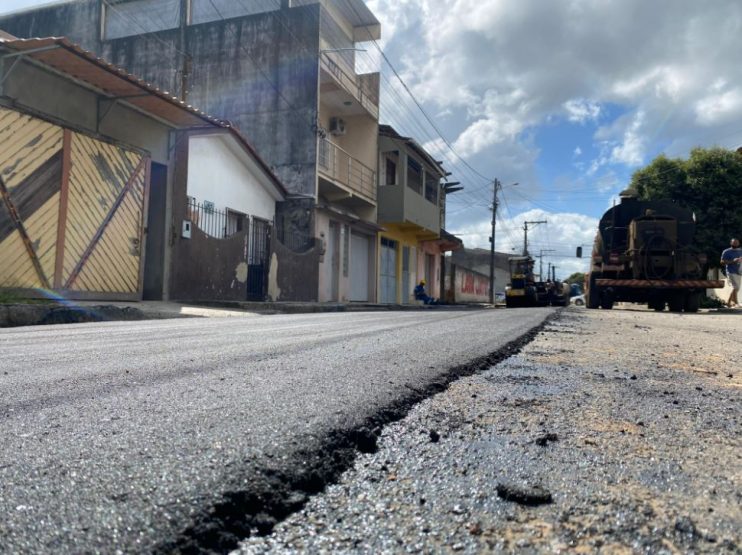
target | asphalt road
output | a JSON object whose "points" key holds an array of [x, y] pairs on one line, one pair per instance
{"points": [[612, 432], [160, 435]]}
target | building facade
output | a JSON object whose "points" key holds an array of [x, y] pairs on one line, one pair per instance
{"points": [[95, 181], [411, 210], [282, 72]]}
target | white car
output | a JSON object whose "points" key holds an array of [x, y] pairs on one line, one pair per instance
{"points": [[579, 300]]}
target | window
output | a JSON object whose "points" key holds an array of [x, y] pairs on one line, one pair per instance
{"points": [[431, 188], [235, 222], [203, 11], [392, 159], [137, 17], [414, 175]]}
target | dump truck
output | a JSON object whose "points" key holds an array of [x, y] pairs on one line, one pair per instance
{"points": [[644, 253]]}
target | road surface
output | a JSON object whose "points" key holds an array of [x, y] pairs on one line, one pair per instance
{"points": [[187, 434], [612, 432]]}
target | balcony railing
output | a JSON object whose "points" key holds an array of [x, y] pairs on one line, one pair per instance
{"points": [[364, 88], [342, 168]]}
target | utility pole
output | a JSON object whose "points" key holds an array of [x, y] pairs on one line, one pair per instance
{"points": [[553, 273], [541, 262], [525, 234], [495, 187]]}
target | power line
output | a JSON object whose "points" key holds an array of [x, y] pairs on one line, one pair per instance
{"points": [[414, 99]]}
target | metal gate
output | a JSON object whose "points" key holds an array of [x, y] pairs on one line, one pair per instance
{"points": [[71, 211], [257, 260]]}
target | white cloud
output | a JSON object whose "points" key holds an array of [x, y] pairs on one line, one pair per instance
{"points": [[577, 152], [560, 236], [512, 66], [719, 107], [581, 111]]}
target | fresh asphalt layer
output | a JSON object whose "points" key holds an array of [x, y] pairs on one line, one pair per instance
{"points": [[163, 435]]}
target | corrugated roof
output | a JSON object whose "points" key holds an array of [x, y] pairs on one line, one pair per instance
{"points": [[113, 81]]}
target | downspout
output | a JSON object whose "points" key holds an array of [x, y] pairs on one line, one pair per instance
{"points": [[186, 62]]}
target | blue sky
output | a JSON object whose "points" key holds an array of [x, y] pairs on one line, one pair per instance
{"points": [[566, 98]]}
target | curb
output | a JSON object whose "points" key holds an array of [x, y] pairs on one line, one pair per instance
{"points": [[18, 315]]}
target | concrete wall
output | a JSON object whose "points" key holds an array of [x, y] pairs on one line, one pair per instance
{"points": [[286, 266], [478, 260], [466, 286], [218, 172]]}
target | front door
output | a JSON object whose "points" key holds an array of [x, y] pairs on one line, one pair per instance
{"points": [[257, 259], [359, 255], [405, 275]]}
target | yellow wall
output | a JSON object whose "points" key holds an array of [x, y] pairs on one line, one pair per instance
{"points": [[404, 239]]}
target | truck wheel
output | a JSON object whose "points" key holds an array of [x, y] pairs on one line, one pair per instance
{"points": [[676, 303], [693, 302], [593, 295], [606, 303]]}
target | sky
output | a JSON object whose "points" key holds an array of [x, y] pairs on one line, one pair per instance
{"points": [[566, 98]]}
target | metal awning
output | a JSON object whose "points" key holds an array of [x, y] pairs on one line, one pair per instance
{"points": [[107, 79]]}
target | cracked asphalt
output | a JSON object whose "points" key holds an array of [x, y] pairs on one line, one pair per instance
{"points": [[612, 432], [125, 436]]}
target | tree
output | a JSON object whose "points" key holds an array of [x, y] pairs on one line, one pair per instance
{"points": [[577, 277], [709, 183]]}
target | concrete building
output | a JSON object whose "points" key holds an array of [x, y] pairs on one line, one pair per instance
{"points": [[411, 210], [96, 169], [283, 71]]}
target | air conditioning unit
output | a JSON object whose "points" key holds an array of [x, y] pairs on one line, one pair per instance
{"points": [[337, 126]]}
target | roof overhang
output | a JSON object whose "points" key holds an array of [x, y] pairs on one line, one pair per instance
{"points": [[112, 82]]}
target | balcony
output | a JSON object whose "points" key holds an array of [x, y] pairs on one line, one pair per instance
{"points": [[341, 85], [340, 168]]}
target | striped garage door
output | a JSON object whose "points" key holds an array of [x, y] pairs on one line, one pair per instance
{"points": [[71, 211]]}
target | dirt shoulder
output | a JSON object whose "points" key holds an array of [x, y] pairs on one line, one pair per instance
{"points": [[614, 431]]}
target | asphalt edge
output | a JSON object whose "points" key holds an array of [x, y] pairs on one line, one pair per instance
{"points": [[275, 494]]}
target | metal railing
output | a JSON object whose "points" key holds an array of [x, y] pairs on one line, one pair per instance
{"points": [[361, 88], [341, 167]]}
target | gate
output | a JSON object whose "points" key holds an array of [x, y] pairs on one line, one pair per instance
{"points": [[257, 260], [71, 211]]}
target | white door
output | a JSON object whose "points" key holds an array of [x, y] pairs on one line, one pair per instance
{"points": [[388, 271], [359, 256]]}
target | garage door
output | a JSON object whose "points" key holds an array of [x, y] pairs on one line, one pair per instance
{"points": [[71, 211]]}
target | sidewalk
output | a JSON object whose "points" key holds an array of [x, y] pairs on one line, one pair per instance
{"points": [[75, 312]]}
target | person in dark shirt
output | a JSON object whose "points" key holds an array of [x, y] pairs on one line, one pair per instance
{"points": [[731, 259], [421, 295]]}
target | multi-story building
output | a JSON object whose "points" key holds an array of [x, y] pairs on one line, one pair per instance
{"points": [[283, 72], [412, 202]]}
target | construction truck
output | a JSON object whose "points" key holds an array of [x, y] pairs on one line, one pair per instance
{"points": [[524, 291], [644, 253]]}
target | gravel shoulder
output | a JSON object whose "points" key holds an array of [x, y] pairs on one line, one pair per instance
{"points": [[613, 432]]}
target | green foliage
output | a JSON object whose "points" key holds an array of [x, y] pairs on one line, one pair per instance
{"points": [[577, 277], [709, 182]]}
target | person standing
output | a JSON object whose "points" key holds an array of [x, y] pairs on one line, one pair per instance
{"points": [[731, 259]]}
